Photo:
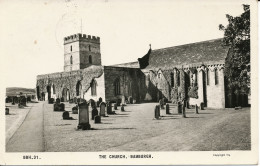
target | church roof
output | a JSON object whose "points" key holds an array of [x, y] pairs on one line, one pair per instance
{"points": [[128, 65], [188, 55]]}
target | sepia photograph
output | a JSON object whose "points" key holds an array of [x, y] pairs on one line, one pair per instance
{"points": [[129, 82]]}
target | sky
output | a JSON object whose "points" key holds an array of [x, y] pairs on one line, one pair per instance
{"points": [[32, 32]]}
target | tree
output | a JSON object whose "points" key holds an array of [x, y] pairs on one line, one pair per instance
{"points": [[237, 65]]}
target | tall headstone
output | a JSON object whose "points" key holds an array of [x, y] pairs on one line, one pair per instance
{"points": [[100, 99], [102, 109], [83, 117], [109, 108], [157, 112], [167, 109], [92, 103], [187, 104], [62, 106], [118, 101], [62, 99], [202, 106], [94, 113], [75, 100]]}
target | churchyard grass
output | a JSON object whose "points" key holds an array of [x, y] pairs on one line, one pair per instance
{"points": [[136, 129]]}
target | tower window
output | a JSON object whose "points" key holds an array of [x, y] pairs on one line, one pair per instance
{"points": [[70, 48], [117, 86], [71, 60], [216, 76], [90, 59], [93, 88], [89, 48]]}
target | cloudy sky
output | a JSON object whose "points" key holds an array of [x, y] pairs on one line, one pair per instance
{"points": [[32, 32]]}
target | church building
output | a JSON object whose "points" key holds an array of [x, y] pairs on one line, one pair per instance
{"points": [[194, 72]]}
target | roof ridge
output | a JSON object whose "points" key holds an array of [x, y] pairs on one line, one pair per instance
{"points": [[204, 41]]}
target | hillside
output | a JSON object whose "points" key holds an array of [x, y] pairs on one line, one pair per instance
{"points": [[13, 91]]}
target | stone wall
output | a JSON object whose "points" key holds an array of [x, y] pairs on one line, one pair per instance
{"points": [[131, 83], [68, 81]]}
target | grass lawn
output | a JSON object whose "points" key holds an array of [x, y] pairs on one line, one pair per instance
{"points": [[136, 130]]}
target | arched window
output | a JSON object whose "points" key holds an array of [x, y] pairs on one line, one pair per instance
{"points": [[207, 73], [89, 48], [216, 76], [178, 78], [53, 89], [172, 79], [78, 88], [93, 88], [71, 60], [90, 59], [117, 86], [130, 88]]}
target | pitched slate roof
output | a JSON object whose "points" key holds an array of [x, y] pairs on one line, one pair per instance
{"points": [[128, 65], [188, 55]]}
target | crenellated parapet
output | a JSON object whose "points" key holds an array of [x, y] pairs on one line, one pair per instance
{"points": [[81, 37]]}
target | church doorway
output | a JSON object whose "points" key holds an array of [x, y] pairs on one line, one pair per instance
{"points": [[49, 92], [66, 94]]}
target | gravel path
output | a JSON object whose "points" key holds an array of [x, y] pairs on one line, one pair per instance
{"points": [[29, 136]]}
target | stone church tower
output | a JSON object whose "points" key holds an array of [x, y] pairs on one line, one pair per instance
{"points": [[81, 51]]}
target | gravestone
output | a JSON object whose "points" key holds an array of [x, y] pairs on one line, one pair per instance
{"points": [[23, 101], [196, 109], [167, 109], [75, 110], [157, 112], [115, 106], [97, 119], [183, 111], [98, 103], [78, 100], [75, 100], [161, 103], [179, 108], [122, 108], [58, 101], [100, 99], [6, 111], [51, 101], [130, 100], [13, 102], [202, 106], [118, 102], [94, 113], [83, 122], [92, 103], [164, 101], [62, 107], [66, 115], [102, 109], [109, 108], [123, 100], [62, 99], [71, 101]]}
